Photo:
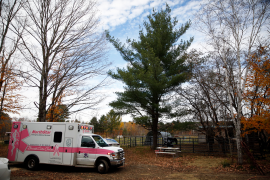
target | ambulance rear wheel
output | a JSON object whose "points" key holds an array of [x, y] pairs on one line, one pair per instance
{"points": [[32, 163], [102, 166]]}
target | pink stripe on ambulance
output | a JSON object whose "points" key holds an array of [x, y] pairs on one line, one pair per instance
{"points": [[69, 150], [14, 141]]}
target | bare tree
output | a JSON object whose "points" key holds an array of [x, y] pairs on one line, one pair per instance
{"points": [[9, 41], [206, 95], [207, 99], [65, 50], [236, 26]]}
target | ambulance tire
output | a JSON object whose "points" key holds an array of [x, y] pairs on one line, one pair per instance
{"points": [[102, 166], [32, 163]]}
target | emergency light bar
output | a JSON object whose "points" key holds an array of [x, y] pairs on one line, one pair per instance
{"points": [[85, 127]]}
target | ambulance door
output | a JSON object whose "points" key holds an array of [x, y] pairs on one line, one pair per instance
{"points": [[57, 144], [86, 154], [67, 154]]}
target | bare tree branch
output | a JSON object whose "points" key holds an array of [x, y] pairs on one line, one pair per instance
{"points": [[65, 52]]}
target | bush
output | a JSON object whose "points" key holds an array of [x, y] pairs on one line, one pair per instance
{"points": [[226, 163]]}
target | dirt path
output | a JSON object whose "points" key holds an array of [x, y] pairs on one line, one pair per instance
{"points": [[200, 168]]}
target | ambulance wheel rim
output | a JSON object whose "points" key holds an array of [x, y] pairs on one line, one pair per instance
{"points": [[101, 167], [31, 163]]}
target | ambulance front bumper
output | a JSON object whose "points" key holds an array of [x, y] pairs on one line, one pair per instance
{"points": [[118, 162]]}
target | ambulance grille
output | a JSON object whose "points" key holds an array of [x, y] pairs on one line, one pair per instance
{"points": [[121, 155]]}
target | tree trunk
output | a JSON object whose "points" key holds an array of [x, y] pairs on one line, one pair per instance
{"points": [[155, 131], [42, 110], [238, 143]]}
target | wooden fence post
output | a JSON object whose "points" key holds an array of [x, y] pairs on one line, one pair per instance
{"points": [[193, 145]]}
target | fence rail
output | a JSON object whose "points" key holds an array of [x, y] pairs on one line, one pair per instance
{"points": [[198, 145]]}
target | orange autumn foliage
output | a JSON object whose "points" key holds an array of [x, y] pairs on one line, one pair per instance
{"points": [[54, 114], [10, 83], [5, 124], [134, 129], [57, 112], [10, 100], [258, 94]]}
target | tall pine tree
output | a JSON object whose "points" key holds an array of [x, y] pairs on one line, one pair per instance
{"points": [[156, 65]]}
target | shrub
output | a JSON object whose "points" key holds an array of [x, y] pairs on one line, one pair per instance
{"points": [[225, 163]]}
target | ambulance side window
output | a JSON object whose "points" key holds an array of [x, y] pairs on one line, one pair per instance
{"points": [[87, 142], [57, 137]]}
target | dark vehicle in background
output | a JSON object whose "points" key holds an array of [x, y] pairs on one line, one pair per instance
{"points": [[112, 142], [164, 139]]}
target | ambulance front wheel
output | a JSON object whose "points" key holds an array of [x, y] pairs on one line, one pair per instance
{"points": [[102, 166], [32, 163]]}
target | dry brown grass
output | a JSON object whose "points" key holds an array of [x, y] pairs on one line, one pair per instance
{"points": [[142, 163]]}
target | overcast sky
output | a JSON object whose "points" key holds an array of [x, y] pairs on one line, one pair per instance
{"points": [[123, 19]]}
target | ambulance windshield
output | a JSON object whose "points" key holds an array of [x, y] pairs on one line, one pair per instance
{"points": [[100, 141]]}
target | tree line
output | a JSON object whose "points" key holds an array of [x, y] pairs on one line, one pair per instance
{"points": [[113, 127]]}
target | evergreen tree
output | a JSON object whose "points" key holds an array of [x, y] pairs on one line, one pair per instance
{"points": [[157, 64], [96, 124], [113, 120], [103, 124]]}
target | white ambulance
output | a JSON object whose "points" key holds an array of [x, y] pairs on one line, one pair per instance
{"points": [[59, 143]]}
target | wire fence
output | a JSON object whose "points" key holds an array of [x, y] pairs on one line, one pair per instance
{"points": [[193, 144]]}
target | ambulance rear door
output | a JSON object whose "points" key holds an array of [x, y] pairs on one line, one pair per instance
{"points": [[57, 143]]}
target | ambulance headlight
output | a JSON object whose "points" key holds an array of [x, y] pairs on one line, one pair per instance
{"points": [[24, 126], [15, 126], [112, 154]]}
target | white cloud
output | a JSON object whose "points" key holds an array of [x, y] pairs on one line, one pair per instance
{"points": [[175, 2], [184, 13], [118, 12]]}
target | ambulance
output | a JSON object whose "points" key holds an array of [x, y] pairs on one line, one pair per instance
{"points": [[61, 143]]}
